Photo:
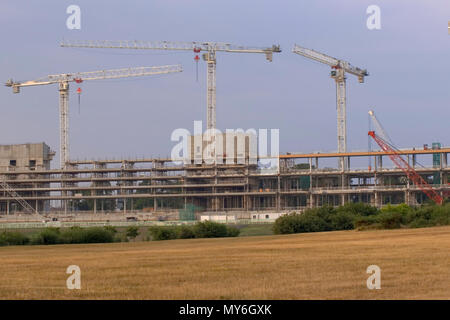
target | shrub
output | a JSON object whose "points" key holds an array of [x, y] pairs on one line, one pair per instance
{"points": [[163, 233], [110, 229], [312, 220], [363, 216], [186, 232], [401, 208], [46, 236], [441, 215], [342, 221], [420, 223], [366, 221], [13, 239], [97, 235], [72, 235], [390, 220], [117, 238], [233, 231], [205, 229], [325, 212], [285, 224], [208, 229], [132, 232], [428, 215], [358, 209], [312, 223]]}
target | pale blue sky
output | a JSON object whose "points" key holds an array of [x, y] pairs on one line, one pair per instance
{"points": [[408, 61]]}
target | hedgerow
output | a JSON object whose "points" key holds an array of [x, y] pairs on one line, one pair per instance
{"points": [[363, 216]]}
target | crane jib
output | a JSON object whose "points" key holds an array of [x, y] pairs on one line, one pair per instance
{"points": [[63, 81]]}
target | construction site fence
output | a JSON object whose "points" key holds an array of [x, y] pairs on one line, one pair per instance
{"points": [[89, 224]]}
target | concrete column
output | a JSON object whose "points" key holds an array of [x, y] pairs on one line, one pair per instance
{"points": [[216, 199], [311, 199], [372, 199], [407, 193], [278, 193], [380, 162]]}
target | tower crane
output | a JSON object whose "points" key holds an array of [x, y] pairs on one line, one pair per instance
{"points": [[338, 70], [63, 81], [210, 49]]}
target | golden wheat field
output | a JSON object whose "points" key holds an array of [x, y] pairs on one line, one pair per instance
{"points": [[415, 264]]}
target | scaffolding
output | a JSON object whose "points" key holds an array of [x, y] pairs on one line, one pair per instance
{"points": [[161, 187]]}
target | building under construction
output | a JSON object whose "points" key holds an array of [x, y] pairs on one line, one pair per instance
{"points": [[244, 187], [161, 187]]}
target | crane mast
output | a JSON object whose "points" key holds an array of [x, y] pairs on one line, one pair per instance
{"points": [[338, 72], [210, 49], [341, 100], [64, 123], [63, 81], [210, 58]]}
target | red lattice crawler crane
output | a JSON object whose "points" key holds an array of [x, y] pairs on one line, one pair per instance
{"points": [[407, 169]]}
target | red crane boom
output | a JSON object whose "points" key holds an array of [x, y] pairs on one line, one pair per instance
{"points": [[407, 169]]}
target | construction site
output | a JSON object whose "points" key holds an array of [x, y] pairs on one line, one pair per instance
{"points": [[193, 189]]}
